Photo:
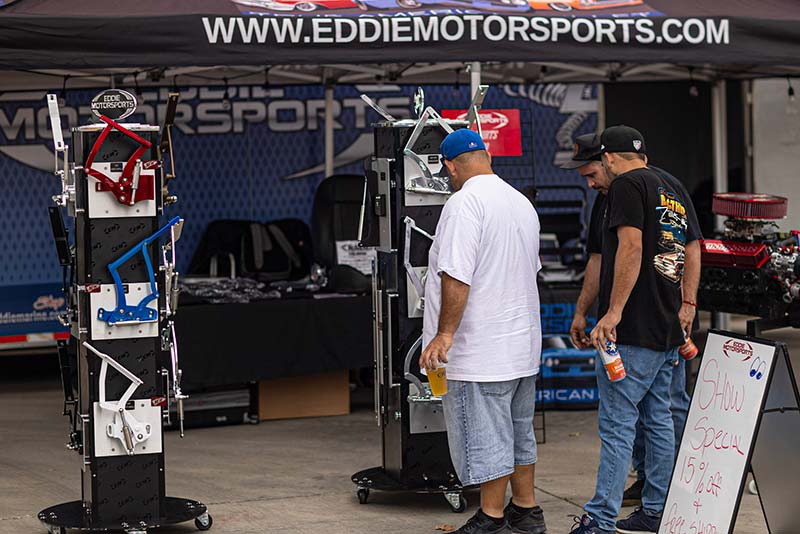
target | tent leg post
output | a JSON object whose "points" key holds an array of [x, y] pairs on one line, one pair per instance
{"points": [[747, 113], [328, 127], [601, 107], [474, 77], [719, 129]]}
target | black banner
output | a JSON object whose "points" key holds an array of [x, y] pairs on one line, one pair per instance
{"points": [[258, 32]]}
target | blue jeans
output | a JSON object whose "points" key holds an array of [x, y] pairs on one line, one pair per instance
{"points": [[679, 407], [647, 385], [490, 427]]}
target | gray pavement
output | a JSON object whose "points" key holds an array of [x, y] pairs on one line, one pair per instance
{"points": [[286, 476]]}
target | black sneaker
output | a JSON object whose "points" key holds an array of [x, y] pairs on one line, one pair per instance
{"points": [[481, 523], [530, 522], [639, 523], [586, 525], [633, 495]]}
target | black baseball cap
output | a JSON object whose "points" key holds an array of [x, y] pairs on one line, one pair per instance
{"points": [[622, 139], [585, 149]]}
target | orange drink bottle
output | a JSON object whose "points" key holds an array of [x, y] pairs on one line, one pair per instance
{"points": [[612, 362], [688, 350], [437, 378]]}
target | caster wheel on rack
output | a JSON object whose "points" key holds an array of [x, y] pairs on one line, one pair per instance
{"points": [[363, 495], [204, 522], [457, 502]]}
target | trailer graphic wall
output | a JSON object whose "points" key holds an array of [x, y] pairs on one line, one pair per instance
{"points": [[256, 154]]}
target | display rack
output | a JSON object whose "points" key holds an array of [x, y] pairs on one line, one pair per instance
{"points": [[405, 190], [120, 367]]}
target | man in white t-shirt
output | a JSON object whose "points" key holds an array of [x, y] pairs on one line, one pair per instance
{"points": [[482, 320]]}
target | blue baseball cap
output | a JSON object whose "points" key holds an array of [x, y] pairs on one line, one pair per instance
{"points": [[459, 142]]}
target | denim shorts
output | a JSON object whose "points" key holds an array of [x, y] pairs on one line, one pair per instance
{"points": [[490, 427]]}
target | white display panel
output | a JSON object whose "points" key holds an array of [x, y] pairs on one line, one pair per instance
{"points": [[145, 413], [103, 204], [416, 307], [414, 176], [106, 298], [713, 457]]}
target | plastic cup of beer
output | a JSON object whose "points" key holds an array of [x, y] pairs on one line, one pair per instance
{"points": [[437, 378]]}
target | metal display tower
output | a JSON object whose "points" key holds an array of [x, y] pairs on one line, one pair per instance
{"points": [[120, 368], [405, 191]]}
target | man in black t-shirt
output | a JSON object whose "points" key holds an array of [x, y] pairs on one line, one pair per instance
{"points": [[586, 161], [643, 241]]}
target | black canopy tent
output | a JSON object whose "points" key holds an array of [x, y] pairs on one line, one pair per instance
{"points": [[357, 41], [40, 34], [101, 43]]}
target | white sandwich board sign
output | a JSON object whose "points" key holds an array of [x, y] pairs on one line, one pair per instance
{"points": [[737, 376]]}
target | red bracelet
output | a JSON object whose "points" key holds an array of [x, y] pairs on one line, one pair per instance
{"points": [[690, 303]]}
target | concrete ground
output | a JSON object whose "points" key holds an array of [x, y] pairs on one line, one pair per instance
{"points": [[285, 476]]}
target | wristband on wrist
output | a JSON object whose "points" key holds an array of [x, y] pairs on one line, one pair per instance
{"points": [[690, 303]]}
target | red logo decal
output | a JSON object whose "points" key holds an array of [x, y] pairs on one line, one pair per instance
{"points": [[494, 120], [500, 129], [733, 348]]}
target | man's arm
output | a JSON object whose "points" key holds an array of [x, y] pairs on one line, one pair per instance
{"points": [[691, 279], [589, 292], [627, 264], [454, 300]]}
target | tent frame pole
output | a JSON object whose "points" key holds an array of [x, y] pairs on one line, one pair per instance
{"points": [[719, 134], [474, 77], [329, 155], [747, 113], [601, 107]]}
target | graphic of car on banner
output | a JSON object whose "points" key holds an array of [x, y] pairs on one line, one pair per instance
{"points": [[313, 5], [299, 5], [491, 5], [569, 5], [499, 6], [568, 377]]}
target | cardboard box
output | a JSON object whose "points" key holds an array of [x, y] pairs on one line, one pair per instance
{"points": [[304, 396]]}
